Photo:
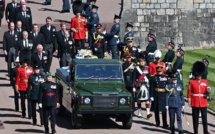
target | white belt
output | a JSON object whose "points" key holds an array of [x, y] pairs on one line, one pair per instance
{"points": [[116, 36], [179, 70], [150, 53], [201, 95], [95, 25], [168, 63]]}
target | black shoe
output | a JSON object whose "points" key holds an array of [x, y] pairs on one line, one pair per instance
{"points": [[41, 123], [157, 125], [34, 121], [180, 132], [16, 110], [54, 131], [22, 116], [47, 3], [165, 126], [65, 11], [149, 115], [29, 117]]}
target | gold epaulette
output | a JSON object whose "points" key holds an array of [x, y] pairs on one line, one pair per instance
{"points": [[14, 67]]}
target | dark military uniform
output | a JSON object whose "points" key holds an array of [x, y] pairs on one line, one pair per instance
{"points": [[12, 82], [205, 74], [34, 81], [175, 101], [168, 58], [177, 67], [158, 92], [133, 50], [48, 96], [99, 46], [149, 52], [128, 69]]}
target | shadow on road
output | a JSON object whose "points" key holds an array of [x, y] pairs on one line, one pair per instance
{"points": [[3, 71], [47, 9], [5, 85], [18, 122], [33, 2], [10, 115], [6, 109], [154, 129], [29, 130], [66, 21], [143, 122]]}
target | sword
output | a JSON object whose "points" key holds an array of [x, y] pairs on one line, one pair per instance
{"points": [[186, 118]]}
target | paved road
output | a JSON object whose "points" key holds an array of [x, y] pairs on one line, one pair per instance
{"points": [[13, 124]]}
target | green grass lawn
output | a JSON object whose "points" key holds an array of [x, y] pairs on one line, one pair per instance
{"points": [[192, 56]]}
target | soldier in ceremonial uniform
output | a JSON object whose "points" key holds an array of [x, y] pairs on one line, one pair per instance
{"points": [[99, 46], [34, 82], [12, 82], [170, 55], [113, 37], [158, 95], [153, 65], [22, 76], [177, 66], [88, 9], [175, 103], [206, 62], [128, 33], [48, 100], [91, 24], [130, 49], [78, 26], [197, 96], [150, 49], [141, 77]]}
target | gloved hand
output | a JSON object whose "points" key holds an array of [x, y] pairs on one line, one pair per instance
{"points": [[96, 49], [208, 89], [40, 105], [17, 91], [183, 107], [58, 105], [134, 90], [104, 32], [105, 54], [152, 98], [146, 79], [75, 31], [189, 101], [167, 107], [190, 76]]}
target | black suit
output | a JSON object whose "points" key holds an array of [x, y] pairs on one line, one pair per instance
{"points": [[26, 21], [60, 36], [50, 41], [20, 37], [42, 63], [9, 44], [37, 39], [21, 46], [10, 12], [19, 9]]}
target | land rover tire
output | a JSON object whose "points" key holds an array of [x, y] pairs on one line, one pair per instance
{"points": [[127, 121]]}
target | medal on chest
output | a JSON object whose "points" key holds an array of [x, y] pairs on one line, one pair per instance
{"points": [[53, 86]]}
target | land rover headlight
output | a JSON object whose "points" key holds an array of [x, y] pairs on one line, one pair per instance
{"points": [[87, 100], [122, 101]]}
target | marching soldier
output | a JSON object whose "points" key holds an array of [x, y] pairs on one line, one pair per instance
{"points": [[78, 26], [131, 49], [175, 103], [141, 77], [206, 62], [197, 96], [48, 100], [12, 82], [170, 55], [113, 37], [22, 76], [99, 46], [129, 32], [93, 21], [153, 65], [34, 82], [177, 66], [49, 32], [150, 49], [158, 95]]}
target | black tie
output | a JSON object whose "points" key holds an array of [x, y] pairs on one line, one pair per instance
{"points": [[26, 43]]}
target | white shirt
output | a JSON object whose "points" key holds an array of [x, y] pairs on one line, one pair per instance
{"points": [[25, 44]]}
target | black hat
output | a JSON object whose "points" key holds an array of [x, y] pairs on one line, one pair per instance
{"points": [[36, 67], [198, 68], [93, 0], [117, 17], [94, 6], [171, 43], [25, 56], [181, 51], [174, 76], [130, 39], [141, 57], [129, 25], [77, 7], [151, 35], [99, 26], [205, 61]]}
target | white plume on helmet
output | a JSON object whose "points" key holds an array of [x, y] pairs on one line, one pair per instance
{"points": [[157, 54], [17, 59]]}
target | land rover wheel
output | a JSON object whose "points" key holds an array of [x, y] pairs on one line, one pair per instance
{"points": [[127, 121], [75, 118]]}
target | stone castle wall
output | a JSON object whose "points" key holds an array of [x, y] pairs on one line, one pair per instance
{"points": [[191, 22]]}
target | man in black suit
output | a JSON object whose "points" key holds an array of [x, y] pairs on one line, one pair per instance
{"points": [[39, 58], [19, 9], [25, 18], [25, 42], [66, 50], [49, 33], [36, 37], [19, 29], [10, 12], [9, 45]]}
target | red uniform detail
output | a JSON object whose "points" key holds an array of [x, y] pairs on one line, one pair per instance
{"points": [[147, 105], [21, 75], [196, 87], [78, 24], [152, 68]]}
